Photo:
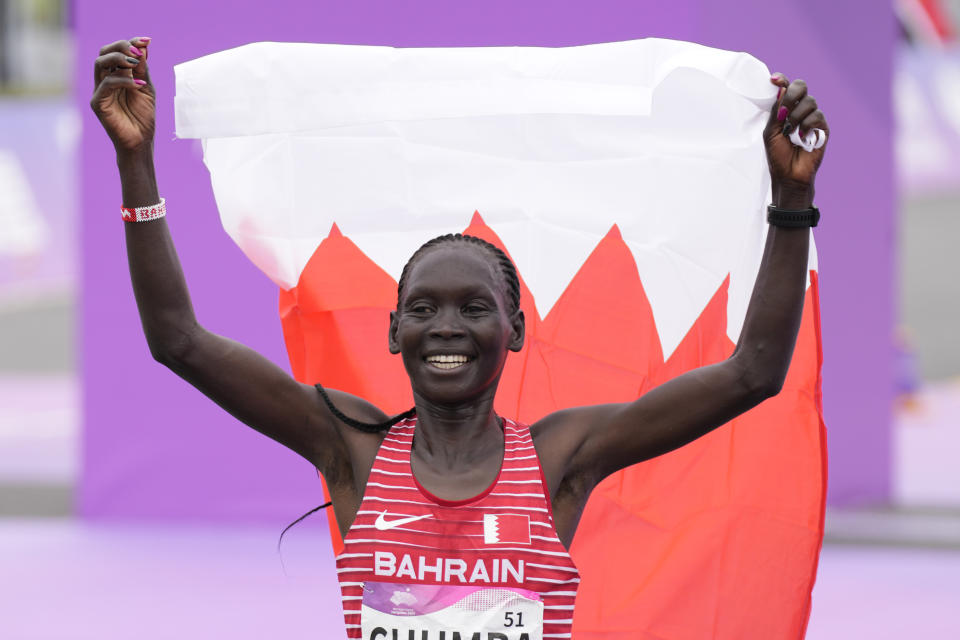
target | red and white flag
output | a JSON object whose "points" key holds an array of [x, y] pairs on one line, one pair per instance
{"points": [[628, 182], [506, 528]]}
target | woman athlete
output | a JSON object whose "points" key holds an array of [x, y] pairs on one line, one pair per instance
{"points": [[400, 491]]}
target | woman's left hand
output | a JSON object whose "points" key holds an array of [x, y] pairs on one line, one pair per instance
{"points": [[792, 170]]}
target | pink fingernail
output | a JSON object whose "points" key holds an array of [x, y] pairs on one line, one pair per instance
{"points": [[136, 51], [139, 81], [782, 114], [145, 39]]}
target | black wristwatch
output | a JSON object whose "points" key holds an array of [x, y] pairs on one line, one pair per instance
{"points": [[793, 217]]}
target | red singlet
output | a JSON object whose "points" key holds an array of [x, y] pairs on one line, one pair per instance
{"points": [[415, 567]]}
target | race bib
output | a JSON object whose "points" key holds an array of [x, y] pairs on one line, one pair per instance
{"points": [[444, 612]]}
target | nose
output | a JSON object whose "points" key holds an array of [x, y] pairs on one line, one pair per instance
{"points": [[447, 324]]}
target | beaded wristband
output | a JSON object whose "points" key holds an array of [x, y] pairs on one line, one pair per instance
{"points": [[143, 214]]}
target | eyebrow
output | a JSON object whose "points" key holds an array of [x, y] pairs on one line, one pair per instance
{"points": [[470, 291]]}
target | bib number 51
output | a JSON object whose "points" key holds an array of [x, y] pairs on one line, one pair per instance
{"points": [[513, 619]]}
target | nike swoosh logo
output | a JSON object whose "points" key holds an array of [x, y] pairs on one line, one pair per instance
{"points": [[382, 524]]}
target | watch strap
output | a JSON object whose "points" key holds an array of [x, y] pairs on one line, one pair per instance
{"points": [[793, 217]]}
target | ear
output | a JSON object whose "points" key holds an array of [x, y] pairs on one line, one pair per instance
{"points": [[392, 333], [518, 328]]}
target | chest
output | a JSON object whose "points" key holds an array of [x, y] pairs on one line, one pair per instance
{"points": [[499, 502], [458, 483]]}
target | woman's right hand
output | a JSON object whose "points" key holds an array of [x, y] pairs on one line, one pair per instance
{"points": [[123, 96]]}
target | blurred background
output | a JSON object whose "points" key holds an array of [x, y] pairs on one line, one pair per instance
{"points": [[891, 557]]}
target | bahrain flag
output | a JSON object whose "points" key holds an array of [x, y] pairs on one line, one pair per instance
{"points": [[506, 528], [628, 183]]}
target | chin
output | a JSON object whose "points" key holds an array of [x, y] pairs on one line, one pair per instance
{"points": [[451, 392]]}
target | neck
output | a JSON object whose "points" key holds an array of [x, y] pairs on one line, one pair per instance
{"points": [[449, 437]]}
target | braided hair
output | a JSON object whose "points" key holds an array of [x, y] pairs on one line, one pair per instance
{"points": [[507, 271]]}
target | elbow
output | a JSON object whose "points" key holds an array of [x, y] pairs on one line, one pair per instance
{"points": [[769, 387], [171, 349], [762, 380], [161, 354]]}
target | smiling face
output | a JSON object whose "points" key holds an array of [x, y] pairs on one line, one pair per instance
{"points": [[454, 325]]}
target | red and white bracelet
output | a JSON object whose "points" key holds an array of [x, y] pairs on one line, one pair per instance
{"points": [[143, 214]]}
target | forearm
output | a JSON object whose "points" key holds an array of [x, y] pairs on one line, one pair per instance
{"points": [[773, 317], [158, 283], [249, 386]]}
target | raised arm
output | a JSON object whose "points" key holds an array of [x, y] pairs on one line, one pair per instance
{"points": [[596, 441], [241, 381]]}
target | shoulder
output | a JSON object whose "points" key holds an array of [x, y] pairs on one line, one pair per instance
{"points": [[360, 445], [567, 429], [559, 437], [342, 408]]}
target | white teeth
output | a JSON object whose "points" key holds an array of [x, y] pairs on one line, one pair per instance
{"points": [[448, 361], [447, 365]]}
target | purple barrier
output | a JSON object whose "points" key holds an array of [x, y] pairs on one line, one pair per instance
{"points": [[155, 448]]}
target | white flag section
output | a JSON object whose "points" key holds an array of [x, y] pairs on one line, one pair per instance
{"points": [[552, 146]]}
